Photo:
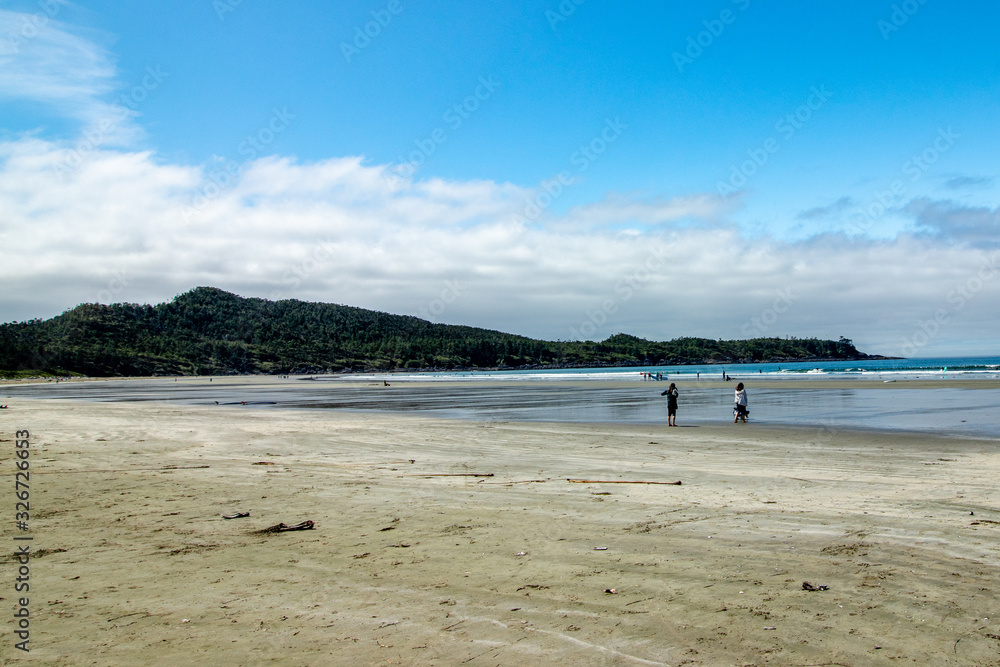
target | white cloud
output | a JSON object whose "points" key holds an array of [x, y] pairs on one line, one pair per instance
{"points": [[969, 182], [828, 211], [617, 209], [343, 232], [43, 62], [974, 224]]}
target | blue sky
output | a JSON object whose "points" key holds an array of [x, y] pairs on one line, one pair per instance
{"points": [[561, 170]]}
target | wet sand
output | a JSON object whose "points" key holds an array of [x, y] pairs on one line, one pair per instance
{"points": [[421, 563], [960, 407]]}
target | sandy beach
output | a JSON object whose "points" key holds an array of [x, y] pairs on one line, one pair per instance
{"points": [[447, 542]]}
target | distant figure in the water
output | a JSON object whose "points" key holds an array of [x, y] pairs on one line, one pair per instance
{"points": [[671, 394], [740, 410]]}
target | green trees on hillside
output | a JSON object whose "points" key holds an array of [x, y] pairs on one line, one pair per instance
{"points": [[209, 331]]}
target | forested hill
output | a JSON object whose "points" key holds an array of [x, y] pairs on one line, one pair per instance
{"points": [[208, 331]]}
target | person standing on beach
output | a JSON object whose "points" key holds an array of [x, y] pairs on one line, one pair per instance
{"points": [[740, 411], [671, 394]]}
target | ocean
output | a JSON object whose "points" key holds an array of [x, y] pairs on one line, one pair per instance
{"points": [[883, 369]]}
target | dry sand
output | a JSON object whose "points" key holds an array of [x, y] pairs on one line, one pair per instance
{"points": [[134, 565]]}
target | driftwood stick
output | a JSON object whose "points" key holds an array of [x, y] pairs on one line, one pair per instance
{"points": [[350, 465], [521, 481], [616, 481], [450, 474], [67, 472]]}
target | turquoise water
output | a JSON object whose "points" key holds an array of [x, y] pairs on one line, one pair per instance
{"points": [[885, 369]]}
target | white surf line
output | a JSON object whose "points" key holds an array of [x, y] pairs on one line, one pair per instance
{"points": [[572, 640]]}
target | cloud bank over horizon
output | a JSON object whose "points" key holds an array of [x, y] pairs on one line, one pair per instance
{"points": [[124, 226]]}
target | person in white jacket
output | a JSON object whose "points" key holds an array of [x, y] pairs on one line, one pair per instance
{"points": [[740, 411]]}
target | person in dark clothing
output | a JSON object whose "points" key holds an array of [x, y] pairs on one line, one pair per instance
{"points": [[671, 394]]}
